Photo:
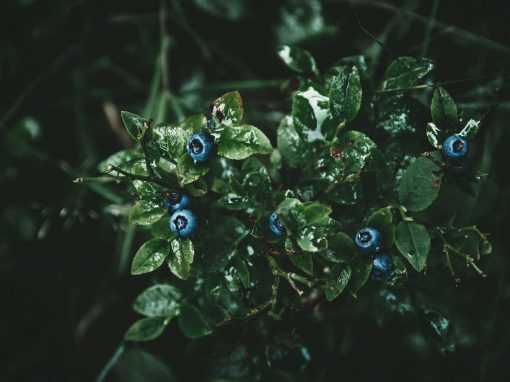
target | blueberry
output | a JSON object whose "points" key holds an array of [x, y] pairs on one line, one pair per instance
{"points": [[455, 147], [183, 223], [276, 225], [382, 266], [200, 147], [368, 239], [176, 201]]}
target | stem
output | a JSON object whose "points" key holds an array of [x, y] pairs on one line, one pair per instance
{"points": [[139, 177]]}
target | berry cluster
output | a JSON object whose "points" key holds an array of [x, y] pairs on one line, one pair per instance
{"points": [[369, 241]]}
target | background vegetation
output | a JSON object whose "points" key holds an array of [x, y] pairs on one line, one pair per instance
{"points": [[67, 68]]}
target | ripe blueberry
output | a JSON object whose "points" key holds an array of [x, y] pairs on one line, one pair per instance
{"points": [[382, 266], [176, 201], [276, 225], [200, 147], [368, 239], [183, 223], [455, 147]]}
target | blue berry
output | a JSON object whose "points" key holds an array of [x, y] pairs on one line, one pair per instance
{"points": [[455, 147], [183, 223], [176, 201], [276, 225], [382, 266], [200, 147], [368, 239]]}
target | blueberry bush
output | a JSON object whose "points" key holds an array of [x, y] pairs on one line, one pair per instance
{"points": [[348, 197]]}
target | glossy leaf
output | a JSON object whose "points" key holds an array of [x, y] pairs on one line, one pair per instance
{"points": [[337, 280], [289, 143], [228, 108], [297, 59], [341, 248], [168, 141], [158, 300], [310, 109], [302, 260], [420, 184], [405, 72], [133, 123], [240, 142], [188, 171], [181, 257], [345, 94], [192, 323], [312, 239], [443, 109], [123, 159], [146, 329], [382, 220], [146, 212], [150, 256], [413, 242]]}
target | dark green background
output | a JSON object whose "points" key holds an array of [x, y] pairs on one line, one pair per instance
{"points": [[65, 288]]}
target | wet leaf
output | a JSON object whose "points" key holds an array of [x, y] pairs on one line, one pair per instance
{"points": [[146, 212], [158, 300], [337, 280], [302, 260], [192, 323], [345, 94], [297, 59], [188, 171], [443, 109], [312, 239], [405, 72], [181, 257], [150, 256], [228, 108], [413, 242], [382, 220], [289, 143], [310, 109], [146, 329], [240, 142], [133, 123]]}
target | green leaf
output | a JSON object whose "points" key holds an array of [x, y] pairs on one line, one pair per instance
{"points": [[470, 129], [347, 193], [188, 171], [345, 94], [337, 280], [146, 329], [302, 260], [413, 242], [382, 220], [354, 150], [297, 59], [438, 330], [341, 247], [150, 256], [405, 72], [240, 142], [168, 141], [361, 268], [289, 143], [192, 323], [420, 184], [401, 115], [123, 159], [314, 212], [133, 123], [443, 109], [228, 108], [234, 202], [310, 109], [181, 257], [241, 271], [193, 124], [312, 239], [158, 300], [399, 274], [146, 212]]}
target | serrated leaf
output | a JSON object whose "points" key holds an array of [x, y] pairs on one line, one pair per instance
{"points": [[405, 72], [181, 257], [413, 242], [158, 300], [146, 212], [289, 143], [420, 184], [297, 59], [228, 108], [337, 280], [240, 142], [443, 109], [188, 171], [345, 94], [192, 323], [150, 256], [146, 329], [302, 260]]}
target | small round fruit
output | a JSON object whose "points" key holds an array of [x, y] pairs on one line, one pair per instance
{"points": [[176, 201], [455, 147], [382, 266], [368, 239], [200, 147], [183, 223], [276, 225]]}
